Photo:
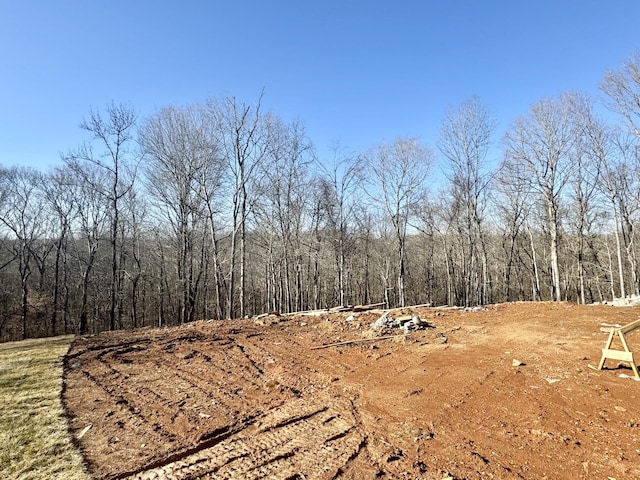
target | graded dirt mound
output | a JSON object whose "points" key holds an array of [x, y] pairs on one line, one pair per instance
{"points": [[503, 392]]}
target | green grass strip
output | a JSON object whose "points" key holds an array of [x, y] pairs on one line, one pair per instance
{"points": [[34, 438]]}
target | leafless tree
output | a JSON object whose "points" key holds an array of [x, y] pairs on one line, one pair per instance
{"points": [[240, 131], [283, 188], [21, 219], [113, 135], [88, 229], [59, 196], [589, 158], [616, 155], [396, 183], [465, 140], [134, 265], [622, 88], [539, 146], [512, 198], [179, 151], [339, 182]]}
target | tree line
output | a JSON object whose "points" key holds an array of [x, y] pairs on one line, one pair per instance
{"points": [[222, 210]]}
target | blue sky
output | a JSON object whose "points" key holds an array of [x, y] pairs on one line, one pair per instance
{"points": [[353, 70]]}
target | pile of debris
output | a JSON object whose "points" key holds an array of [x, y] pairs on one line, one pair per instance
{"points": [[407, 323]]}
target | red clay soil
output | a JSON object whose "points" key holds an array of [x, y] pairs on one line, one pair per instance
{"points": [[252, 399]]}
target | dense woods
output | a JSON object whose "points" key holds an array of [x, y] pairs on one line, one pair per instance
{"points": [[222, 210]]}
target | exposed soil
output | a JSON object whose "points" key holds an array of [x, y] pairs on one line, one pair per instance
{"points": [[251, 399]]}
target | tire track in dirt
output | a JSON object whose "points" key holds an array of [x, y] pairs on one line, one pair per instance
{"points": [[150, 405], [301, 439], [134, 402]]}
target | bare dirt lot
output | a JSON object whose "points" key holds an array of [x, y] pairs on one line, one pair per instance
{"points": [[252, 398]]}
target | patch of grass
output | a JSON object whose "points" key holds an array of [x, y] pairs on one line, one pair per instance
{"points": [[34, 438]]}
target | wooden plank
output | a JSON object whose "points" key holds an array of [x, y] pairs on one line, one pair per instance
{"points": [[602, 360], [630, 326], [617, 355], [623, 342]]}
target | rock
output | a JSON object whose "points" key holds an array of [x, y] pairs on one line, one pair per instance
{"points": [[407, 324], [517, 363]]}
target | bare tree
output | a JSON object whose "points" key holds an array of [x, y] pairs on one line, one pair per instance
{"points": [[239, 128], [88, 229], [590, 157], [396, 184], [615, 154], [212, 191], [511, 197], [179, 151], [59, 195], [283, 189], [539, 147], [465, 140], [339, 184], [21, 217], [622, 88], [113, 135], [134, 267]]}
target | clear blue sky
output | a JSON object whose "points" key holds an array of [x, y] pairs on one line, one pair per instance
{"points": [[361, 71]]}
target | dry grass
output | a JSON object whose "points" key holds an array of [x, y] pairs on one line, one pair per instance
{"points": [[34, 439]]}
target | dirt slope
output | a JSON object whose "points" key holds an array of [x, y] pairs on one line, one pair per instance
{"points": [[252, 399]]}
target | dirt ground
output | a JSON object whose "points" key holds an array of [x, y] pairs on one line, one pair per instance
{"points": [[252, 399]]}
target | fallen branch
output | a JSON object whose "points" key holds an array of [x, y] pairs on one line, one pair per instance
{"points": [[359, 340]]}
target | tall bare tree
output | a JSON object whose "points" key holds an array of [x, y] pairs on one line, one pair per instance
{"points": [[591, 154], [59, 195], [339, 184], [242, 143], [539, 145], [283, 189], [179, 151], [89, 227], [511, 197], [21, 218], [398, 174], [112, 132], [622, 88], [465, 140]]}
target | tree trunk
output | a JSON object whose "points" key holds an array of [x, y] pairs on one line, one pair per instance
{"points": [[619, 255]]}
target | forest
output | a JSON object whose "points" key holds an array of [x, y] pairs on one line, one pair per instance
{"points": [[222, 210]]}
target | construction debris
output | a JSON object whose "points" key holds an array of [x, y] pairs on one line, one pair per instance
{"points": [[407, 323]]}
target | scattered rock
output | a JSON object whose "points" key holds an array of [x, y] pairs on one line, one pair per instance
{"points": [[396, 455], [441, 338], [477, 308]]}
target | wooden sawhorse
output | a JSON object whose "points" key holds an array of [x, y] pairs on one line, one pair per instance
{"points": [[621, 355]]}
